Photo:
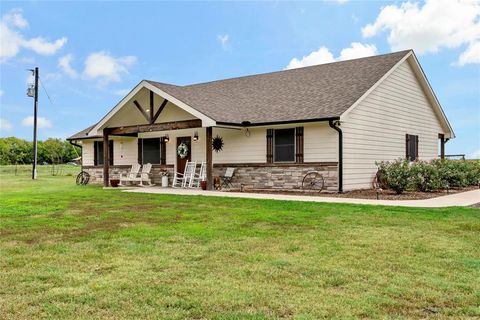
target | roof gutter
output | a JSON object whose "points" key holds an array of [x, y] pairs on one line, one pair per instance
{"points": [[260, 124], [335, 124]]}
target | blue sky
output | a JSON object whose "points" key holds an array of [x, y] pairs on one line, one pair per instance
{"points": [[90, 54]]}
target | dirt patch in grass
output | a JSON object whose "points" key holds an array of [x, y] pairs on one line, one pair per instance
{"points": [[366, 193]]}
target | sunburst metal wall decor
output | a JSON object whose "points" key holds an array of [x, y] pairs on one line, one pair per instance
{"points": [[217, 143]]}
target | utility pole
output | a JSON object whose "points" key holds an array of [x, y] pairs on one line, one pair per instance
{"points": [[35, 111]]}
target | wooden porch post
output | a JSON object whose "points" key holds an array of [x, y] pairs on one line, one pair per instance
{"points": [[208, 148], [442, 145], [106, 158]]}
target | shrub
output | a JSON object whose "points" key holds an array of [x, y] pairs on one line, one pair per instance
{"points": [[396, 174], [473, 172], [425, 177], [453, 173], [429, 176]]}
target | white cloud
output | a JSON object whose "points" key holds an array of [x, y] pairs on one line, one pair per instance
{"points": [[106, 68], [428, 28], [16, 19], [41, 122], [65, 64], [323, 55], [224, 40], [471, 55], [2, 93], [358, 50], [475, 154], [12, 40], [5, 125], [43, 47]]}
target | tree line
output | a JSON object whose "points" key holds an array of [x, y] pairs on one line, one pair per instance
{"points": [[51, 151]]}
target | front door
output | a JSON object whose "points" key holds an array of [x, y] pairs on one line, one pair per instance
{"points": [[183, 154]]}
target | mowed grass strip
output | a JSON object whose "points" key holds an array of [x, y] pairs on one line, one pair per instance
{"points": [[75, 252]]}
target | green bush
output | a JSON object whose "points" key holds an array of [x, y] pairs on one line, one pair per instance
{"points": [[453, 173], [425, 177], [396, 174], [429, 176], [473, 172]]}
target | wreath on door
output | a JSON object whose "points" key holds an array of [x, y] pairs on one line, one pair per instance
{"points": [[182, 150]]}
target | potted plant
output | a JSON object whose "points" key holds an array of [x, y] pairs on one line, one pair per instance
{"points": [[164, 175], [203, 184], [114, 182]]}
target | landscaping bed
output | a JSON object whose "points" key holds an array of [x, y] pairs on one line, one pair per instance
{"points": [[365, 193]]}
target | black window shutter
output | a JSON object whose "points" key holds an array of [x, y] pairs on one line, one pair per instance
{"points": [[407, 146], [411, 151], [95, 153], [140, 150], [416, 147], [163, 152], [269, 145], [299, 144], [110, 152]]}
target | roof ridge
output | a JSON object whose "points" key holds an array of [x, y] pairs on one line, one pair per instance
{"points": [[282, 71]]}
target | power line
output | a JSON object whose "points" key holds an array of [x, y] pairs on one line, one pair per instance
{"points": [[45, 89]]}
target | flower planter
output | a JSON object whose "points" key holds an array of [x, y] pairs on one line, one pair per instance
{"points": [[203, 185], [164, 181], [114, 183]]}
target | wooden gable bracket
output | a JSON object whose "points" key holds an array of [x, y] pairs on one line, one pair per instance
{"points": [[151, 118]]}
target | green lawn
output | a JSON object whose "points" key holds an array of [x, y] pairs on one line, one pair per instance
{"points": [[83, 252]]}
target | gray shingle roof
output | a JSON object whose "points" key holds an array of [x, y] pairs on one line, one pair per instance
{"points": [[83, 134], [316, 92]]}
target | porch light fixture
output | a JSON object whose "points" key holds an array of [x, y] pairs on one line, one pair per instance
{"points": [[195, 136], [166, 138]]}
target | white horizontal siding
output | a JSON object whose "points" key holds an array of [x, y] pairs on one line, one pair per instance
{"points": [[320, 144], [87, 153], [125, 151], [375, 130]]}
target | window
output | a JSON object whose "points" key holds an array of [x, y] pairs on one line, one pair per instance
{"points": [[284, 145], [98, 152], [151, 150], [411, 147]]}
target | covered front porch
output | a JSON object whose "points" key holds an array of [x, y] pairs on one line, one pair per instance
{"points": [[180, 131]]}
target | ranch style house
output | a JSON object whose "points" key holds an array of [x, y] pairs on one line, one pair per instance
{"points": [[338, 118]]}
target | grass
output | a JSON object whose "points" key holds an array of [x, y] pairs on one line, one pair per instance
{"points": [[86, 253]]}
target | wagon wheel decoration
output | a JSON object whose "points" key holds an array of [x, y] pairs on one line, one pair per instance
{"points": [[182, 150], [313, 181], [379, 181], [83, 178]]}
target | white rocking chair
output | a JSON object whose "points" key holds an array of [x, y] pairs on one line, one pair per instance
{"points": [[200, 176], [132, 176], [145, 175], [184, 180]]}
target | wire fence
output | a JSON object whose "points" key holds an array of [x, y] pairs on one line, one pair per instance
{"points": [[42, 170]]}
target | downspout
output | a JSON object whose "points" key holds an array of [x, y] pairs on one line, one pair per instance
{"points": [[77, 145], [335, 124]]}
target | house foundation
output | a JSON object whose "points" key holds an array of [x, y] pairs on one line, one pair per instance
{"points": [[273, 176]]}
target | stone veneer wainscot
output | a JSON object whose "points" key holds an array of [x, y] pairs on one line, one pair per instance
{"points": [[275, 176]]}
